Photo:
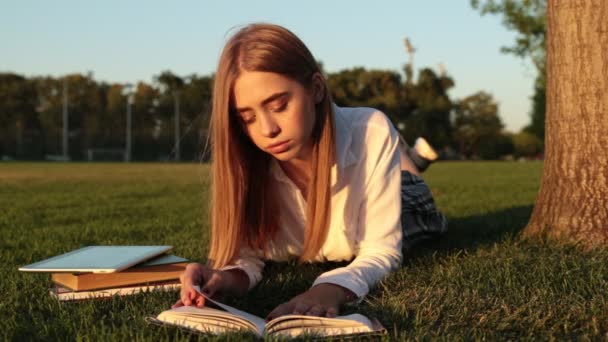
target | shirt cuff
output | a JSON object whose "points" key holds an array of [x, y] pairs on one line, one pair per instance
{"points": [[253, 280]]}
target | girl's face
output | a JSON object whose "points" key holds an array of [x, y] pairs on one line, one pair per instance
{"points": [[277, 113]]}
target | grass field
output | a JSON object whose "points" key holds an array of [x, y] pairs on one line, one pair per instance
{"points": [[481, 281]]}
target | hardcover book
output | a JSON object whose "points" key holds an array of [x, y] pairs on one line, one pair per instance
{"points": [[163, 268], [65, 295]]}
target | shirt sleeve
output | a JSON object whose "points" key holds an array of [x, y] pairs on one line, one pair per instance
{"points": [[248, 262], [379, 234]]}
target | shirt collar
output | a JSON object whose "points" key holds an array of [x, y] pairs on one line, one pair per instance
{"points": [[344, 154]]}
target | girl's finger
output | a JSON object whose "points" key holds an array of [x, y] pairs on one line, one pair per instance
{"points": [[280, 310], [200, 301], [301, 308], [186, 296], [177, 304], [315, 310], [331, 312]]}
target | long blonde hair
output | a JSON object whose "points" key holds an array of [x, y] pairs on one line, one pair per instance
{"points": [[244, 205]]}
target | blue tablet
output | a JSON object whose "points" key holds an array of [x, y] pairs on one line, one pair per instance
{"points": [[97, 259]]}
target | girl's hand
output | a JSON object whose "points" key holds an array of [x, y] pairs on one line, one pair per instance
{"points": [[209, 280], [322, 300]]}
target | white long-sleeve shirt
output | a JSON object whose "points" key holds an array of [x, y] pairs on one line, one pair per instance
{"points": [[365, 207]]}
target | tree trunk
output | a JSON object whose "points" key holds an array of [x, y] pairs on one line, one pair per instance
{"points": [[572, 203]]}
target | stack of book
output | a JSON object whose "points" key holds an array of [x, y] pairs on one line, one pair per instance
{"points": [[105, 271]]}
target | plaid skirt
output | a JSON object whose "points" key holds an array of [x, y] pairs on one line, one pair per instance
{"points": [[420, 219]]}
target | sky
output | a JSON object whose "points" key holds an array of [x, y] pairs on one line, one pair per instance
{"points": [[128, 41]]}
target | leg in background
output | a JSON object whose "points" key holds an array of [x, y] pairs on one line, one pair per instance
{"points": [[420, 218], [420, 156]]}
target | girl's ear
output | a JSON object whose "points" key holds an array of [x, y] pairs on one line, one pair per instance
{"points": [[319, 88]]}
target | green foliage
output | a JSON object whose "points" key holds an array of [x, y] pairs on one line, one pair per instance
{"points": [[18, 116], [194, 96], [480, 282], [527, 144], [97, 111], [528, 19], [430, 107], [420, 108], [31, 120], [477, 128], [371, 88], [539, 100]]}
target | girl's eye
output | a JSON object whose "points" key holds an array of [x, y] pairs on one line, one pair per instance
{"points": [[280, 108], [248, 119]]}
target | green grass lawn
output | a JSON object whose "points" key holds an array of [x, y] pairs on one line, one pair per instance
{"points": [[481, 281]]}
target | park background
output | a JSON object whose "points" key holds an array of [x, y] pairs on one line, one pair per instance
{"points": [[483, 280], [78, 78]]}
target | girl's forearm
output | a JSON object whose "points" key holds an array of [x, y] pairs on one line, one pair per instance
{"points": [[236, 282], [340, 293]]}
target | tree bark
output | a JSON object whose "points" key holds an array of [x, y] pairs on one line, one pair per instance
{"points": [[572, 203]]}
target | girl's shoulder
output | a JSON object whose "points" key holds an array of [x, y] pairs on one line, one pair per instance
{"points": [[364, 136], [364, 124]]}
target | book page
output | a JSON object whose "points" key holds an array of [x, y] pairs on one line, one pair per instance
{"points": [[359, 318], [65, 294], [260, 323], [295, 325], [206, 319], [226, 318]]}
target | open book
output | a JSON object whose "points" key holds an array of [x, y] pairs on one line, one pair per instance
{"points": [[217, 318]]}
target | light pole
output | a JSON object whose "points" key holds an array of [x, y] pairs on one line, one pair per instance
{"points": [[129, 94], [176, 103], [65, 118], [410, 50]]}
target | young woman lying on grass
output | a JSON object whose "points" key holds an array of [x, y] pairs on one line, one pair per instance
{"points": [[295, 176]]}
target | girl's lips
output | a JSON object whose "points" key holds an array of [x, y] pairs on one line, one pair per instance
{"points": [[282, 147]]}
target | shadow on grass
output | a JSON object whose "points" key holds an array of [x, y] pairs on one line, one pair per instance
{"points": [[283, 280], [470, 233]]}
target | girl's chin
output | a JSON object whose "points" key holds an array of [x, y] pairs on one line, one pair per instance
{"points": [[287, 155]]}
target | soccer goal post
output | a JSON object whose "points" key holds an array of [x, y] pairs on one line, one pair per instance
{"points": [[106, 154]]}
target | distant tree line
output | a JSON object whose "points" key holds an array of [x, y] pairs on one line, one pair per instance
{"points": [[31, 123], [31, 120]]}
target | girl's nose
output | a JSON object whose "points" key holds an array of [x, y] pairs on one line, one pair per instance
{"points": [[268, 126]]}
